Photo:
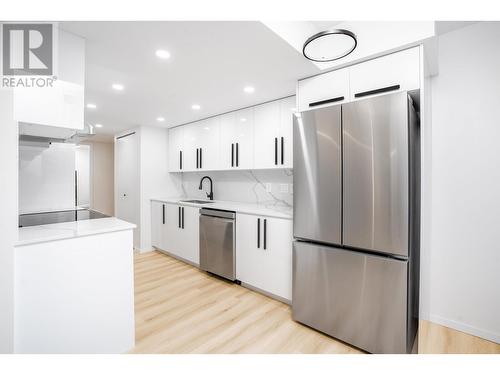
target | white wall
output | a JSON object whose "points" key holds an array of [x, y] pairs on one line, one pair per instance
{"points": [[8, 218], [461, 278], [102, 177], [46, 178]]}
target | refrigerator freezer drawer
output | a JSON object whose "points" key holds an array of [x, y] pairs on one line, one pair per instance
{"points": [[358, 298]]}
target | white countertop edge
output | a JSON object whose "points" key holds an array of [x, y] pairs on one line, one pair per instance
{"points": [[238, 207], [69, 230]]}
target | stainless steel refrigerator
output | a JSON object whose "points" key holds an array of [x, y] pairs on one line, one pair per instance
{"points": [[356, 222]]}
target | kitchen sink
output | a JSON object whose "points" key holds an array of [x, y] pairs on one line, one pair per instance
{"points": [[197, 201]]}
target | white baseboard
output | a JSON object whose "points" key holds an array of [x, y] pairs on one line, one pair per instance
{"points": [[463, 327]]}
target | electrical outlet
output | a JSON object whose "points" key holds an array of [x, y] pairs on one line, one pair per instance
{"points": [[283, 188], [268, 187]]}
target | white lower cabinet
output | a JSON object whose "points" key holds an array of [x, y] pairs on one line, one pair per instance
{"points": [[175, 229], [264, 253]]}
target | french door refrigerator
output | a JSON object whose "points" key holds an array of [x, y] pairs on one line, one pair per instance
{"points": [[356, 222]]}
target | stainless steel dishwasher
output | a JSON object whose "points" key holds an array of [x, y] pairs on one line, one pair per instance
{"points": [[217, 242]]}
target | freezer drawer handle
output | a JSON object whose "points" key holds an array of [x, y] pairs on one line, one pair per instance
{"points": [[377, 91], [258, 233], [326, 101], [163, 214]]}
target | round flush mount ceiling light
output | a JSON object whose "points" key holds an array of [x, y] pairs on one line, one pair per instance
{"points": [[196, 107], [329, 45]]}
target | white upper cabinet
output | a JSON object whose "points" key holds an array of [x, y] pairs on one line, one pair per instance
{"points": [[323, 90], [258, 137], [399, 71], [267, 123], [287, 108], [176, 149], [237, 139], [208, 138]]}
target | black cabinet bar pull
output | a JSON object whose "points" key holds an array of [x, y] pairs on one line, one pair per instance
{"points": [[179, 225], [180, 159], [237, 155], [258, 233], [201, 160], [197, 158], [232, 154], [265, 234], [282, 150], [182, 218], [163, 214], [275, 151], [326, 101], [377, 91]]}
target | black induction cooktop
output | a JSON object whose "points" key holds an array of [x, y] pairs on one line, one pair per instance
{"points": [[29, 220]]}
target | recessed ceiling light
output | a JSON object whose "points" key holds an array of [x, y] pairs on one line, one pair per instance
{"points": [[329, 45], [91, 106], [162, 54], [160, 119], [117, 86], [195, 107], [98, 125], [243, 119], [249, 89]]}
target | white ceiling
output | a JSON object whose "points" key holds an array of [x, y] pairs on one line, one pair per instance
{"points": [[210, 64]]}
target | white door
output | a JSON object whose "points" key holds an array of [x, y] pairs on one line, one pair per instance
{"points": [[287, 108], [266, 132], [264, 253], [127, 181], [189, 151], [190, 234], [208, 143], [158, 210], [227, 140], [175, 149], [244, 138]]}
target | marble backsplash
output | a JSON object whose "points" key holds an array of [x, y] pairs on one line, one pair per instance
{"points": [[266, 187]]}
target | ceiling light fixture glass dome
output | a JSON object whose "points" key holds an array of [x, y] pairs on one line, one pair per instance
{"points": [[329, 45]]}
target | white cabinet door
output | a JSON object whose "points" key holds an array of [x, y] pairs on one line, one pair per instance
{"points": [[266, 132], [244, 139], [287, 109], [323, 90], [227, 139], [189, 243], [175, 149], [181, 233], [264, 253], [158, 210], [190, 147], [386, 73], [208, 140]]}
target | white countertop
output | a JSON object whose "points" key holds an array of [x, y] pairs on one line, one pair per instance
{"points": [[270, 210], [73, 229]]}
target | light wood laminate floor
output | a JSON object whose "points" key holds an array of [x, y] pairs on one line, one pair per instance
{"points": [[180, 309]]}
